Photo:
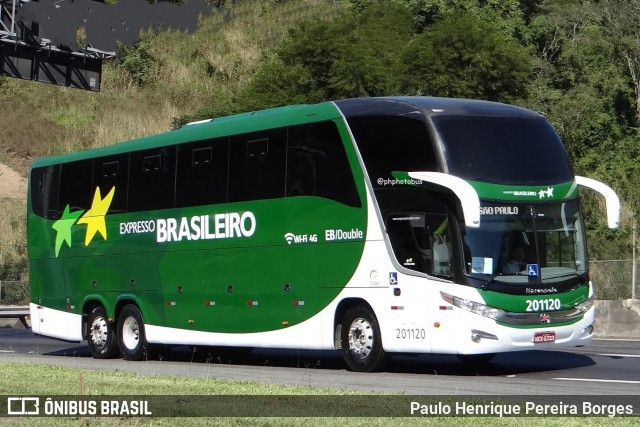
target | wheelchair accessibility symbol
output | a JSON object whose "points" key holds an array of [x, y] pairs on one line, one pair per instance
{"points": [[532, 270], [393, 278]]}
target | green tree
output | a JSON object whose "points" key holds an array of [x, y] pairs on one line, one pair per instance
{"points": [[137, 60], [428, 12], [582, 81], [350, 57], [464, 55], [622, 22]]}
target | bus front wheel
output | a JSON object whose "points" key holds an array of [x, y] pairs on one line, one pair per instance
{"points": [[131, 337], [361, 341], [100, 335]]}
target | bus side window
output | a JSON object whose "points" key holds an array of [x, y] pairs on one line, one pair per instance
{"points": [[409, 237], [110, 172], [152, 179], [257, 163], [202, 172], [317, 164], [44, 191], [421, 242], [76, 185], [392, 143]]}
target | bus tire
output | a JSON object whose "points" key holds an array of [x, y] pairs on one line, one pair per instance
{"points": [[131, 337], [361, 341], [101, 337]]}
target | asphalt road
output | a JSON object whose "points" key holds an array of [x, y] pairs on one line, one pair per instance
{"points": [[605, 367]]}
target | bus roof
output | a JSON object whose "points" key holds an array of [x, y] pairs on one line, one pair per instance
{"points": [[430, 106], [206, 129], [298, 114]]}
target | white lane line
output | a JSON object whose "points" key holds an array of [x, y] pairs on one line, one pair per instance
{"points": [[617, 355], [6, 351], [595, 380]]}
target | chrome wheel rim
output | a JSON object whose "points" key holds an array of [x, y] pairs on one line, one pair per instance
{"points": [[130, 333], [360, 338], [99, 332]]}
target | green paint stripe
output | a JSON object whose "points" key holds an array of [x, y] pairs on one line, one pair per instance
{"points": [[530, 193], [518, 303], [526, 193]]}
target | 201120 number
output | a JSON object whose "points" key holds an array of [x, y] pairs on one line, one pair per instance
{"points": [[411, 333], [548, 304]]}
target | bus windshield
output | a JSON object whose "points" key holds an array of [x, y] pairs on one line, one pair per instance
{"points": [[526, 243], [501, 149]]}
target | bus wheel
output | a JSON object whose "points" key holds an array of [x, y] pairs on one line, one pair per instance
{"points": [[361, 342], [131, 338], [100, 335]]}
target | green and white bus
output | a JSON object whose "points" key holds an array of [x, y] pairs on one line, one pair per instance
{"points": [[372, 226]]}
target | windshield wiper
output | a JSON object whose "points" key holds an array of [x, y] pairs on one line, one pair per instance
{"points": [[492, 278]]}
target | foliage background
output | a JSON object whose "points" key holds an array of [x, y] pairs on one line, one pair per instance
{"points": [[575, 61]]}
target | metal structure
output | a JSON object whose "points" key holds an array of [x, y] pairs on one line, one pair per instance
{"points": [[65, 41], [25, 55], [634, 271]]}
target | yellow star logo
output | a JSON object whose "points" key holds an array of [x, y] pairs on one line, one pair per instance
{"points": [[94, 217]]}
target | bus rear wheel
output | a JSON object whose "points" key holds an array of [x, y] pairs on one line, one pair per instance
{"points": [[101, 338], [361, 341], [131, 337]]}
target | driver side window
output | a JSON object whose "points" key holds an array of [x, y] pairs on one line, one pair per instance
{"points": [[421, 242]]}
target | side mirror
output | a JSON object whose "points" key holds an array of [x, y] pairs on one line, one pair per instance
{"points": [[467, 195], [610, 196]]}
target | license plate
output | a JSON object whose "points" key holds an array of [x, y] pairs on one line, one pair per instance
{"points": [[539, 337]]}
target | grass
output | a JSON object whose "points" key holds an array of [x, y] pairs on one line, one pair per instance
{"points": [[13, 256], [25, 379]]}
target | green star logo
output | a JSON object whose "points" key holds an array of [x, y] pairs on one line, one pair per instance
{"points": [[63, 228]]}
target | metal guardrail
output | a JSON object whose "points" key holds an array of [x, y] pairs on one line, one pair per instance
{"points": [[14, 300], [15, 312]]}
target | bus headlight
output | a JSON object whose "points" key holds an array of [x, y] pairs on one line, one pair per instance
{"points": [[585, 305], [474, 307]]}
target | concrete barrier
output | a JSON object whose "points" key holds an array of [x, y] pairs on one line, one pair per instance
{"points": [[617, 319]]}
